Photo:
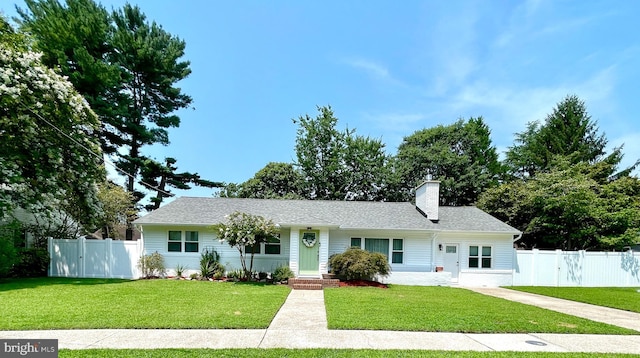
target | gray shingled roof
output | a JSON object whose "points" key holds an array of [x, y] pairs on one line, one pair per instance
{"points": [[342, 214]]}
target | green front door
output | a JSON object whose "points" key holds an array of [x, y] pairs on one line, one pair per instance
{"points": [[309, 252]]}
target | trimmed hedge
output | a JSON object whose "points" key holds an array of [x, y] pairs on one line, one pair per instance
{"points": [[358, 264]]}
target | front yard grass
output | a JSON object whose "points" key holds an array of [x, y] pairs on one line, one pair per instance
{"points": [[65, 303], [312, 353], [446, 309], [623, 298]]}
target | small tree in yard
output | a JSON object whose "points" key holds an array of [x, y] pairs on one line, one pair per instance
{"points": [[358, 264], [244, 231]]}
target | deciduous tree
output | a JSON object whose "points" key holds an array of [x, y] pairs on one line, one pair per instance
{"points": [[244, 231], [50, 157], [572, 206], [339, 165], [459, 155], [274, 181]]}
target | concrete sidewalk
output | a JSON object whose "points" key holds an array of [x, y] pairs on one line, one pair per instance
{"points": [[301, 323], [607, 315]]}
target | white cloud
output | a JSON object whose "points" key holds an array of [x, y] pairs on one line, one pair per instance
{"points": [[374, 69], [512, 106]]}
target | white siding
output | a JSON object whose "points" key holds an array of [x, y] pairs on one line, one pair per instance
{"points": [[501, 271], [156, 239], [416, 246]]}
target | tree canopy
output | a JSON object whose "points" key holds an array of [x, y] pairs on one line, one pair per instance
{"points": [[572, 206], [42, 116], [459, 155], [567, 131], [126, 67], [338, 165]]}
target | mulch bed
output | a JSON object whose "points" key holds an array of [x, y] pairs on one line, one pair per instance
{"points": [[362, 283]]}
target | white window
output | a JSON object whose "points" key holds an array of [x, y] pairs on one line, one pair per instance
{"points": [[480, 256], [175, 241]]}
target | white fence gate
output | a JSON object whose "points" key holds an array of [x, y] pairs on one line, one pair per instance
{"points": [[576, 268], [94, 258]]}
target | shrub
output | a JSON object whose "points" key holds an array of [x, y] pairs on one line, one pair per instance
{"points": [[8, 255], [32, 262], [218, 275], [358, 264], [180, 269], [281, 274], [210, 263], [236, 274], [152, 265]]}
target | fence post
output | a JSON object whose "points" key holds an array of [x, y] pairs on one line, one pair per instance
{"points": [[534, 258], [557, 275], [108, 260], [50, 250], [81, 260]]}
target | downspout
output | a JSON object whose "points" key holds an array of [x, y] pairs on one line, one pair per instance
{"points": [[514, 259]]}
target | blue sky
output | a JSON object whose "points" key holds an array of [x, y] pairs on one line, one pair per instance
{"points": [[389, 68]]}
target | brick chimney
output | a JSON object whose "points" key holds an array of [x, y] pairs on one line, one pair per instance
{"points": [[428, 198]]}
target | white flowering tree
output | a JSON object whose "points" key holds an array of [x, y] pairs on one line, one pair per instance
{"points": [[244, 231], [50, 158]]}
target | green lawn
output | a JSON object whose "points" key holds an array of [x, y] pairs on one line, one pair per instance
{"points": [[624, 298], [446, 309], [335, 353], [62, 303]]}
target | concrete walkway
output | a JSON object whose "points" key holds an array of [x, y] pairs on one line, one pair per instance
{"points": [[612, 316], [301, 323]]}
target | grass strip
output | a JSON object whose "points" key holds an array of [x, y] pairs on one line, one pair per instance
{"points": [[623, 298], [446, 309], [64, 303], [334, 353]]}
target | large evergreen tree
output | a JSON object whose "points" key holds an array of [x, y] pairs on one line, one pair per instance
{"points": [[77, 40], [149, 59], [165, 176], [125, 66], [567, 131]]}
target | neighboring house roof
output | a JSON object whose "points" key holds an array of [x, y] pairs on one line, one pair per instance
{"points": [[341, 214]]}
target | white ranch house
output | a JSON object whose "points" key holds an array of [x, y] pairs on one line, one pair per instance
{"points": [[426, 244]]}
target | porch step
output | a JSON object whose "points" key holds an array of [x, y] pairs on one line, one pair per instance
{"points": [[312, 283], [307, 286]]}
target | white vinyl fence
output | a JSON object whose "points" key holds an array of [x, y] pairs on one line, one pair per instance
{"points": [[94, 258], [576, 268]]}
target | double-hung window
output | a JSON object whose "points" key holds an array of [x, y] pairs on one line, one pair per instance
{"points": [[188, 243], [272, 246], [191, 241], [175, 241], [480, 256], [398, 251]]}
